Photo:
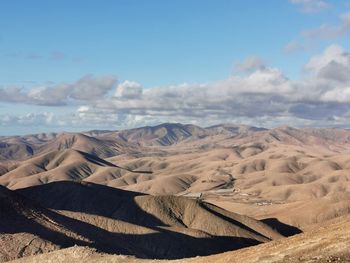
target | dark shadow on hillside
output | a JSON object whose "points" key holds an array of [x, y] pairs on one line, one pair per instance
{"points": [[91, 198], [18, 215], [282, 228], [21, 215], [18, 223], [162, 244], [96, 160], [229, 219]]}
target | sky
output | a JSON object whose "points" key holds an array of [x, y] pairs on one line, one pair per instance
{"points": [[115, 64]]}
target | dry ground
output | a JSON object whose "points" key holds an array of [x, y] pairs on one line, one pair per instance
{"points": [[290, 179], [328, 243]]}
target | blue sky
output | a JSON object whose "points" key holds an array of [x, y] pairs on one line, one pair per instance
{"points": [[161, 45]]}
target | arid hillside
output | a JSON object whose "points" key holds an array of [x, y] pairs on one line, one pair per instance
{"points": [[59, 215], [264, 173], [200, 191], [327, 243]]}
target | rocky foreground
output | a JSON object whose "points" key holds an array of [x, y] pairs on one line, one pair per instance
{"points": [[328, 243]]}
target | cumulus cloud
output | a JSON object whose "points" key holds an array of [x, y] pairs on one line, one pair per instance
{"points": [[337, 95], [45, 118], [88, 88], [45, 95], [311, 6], [12, 94], [92, 88], [264, 96], [128, 90], [333, 64], [333, 53]]}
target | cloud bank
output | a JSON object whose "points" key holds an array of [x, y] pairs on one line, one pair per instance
{"points": [[261, 95], [88, 88]]}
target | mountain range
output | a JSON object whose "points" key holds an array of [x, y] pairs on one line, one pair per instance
{"points": [[209, 190]]}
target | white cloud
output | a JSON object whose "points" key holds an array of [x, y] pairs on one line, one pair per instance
{"points": [[264, 97], [128, 90], [337, 95], [88, 88], [45, 95], [45, 118], [269, 80], [12, 94], [333, 64], [92, 88]]}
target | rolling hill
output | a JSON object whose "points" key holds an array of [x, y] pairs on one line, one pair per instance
{"points": [[288, 178], [61, 214]]}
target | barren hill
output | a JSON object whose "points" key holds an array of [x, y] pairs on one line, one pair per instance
{"points": [[15, 150], [84, 143], [328, 243], [60, 165], [116, 221], [22, 148], [288, 178], [27, 229], [162, 135], [265, 173]]}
